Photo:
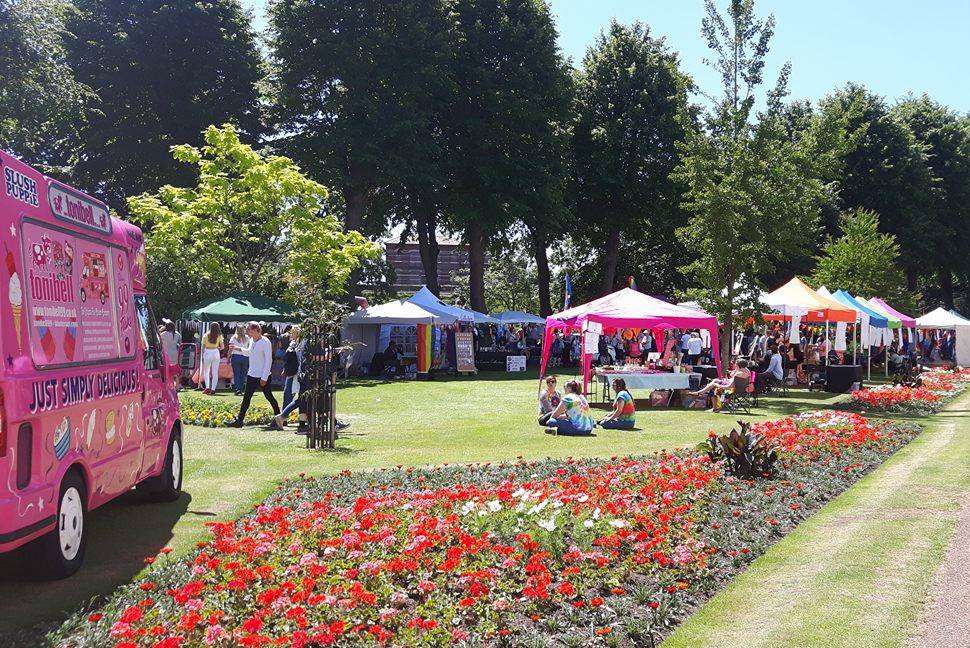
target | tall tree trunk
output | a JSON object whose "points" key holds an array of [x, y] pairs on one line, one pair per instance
{"points": [[427, 222], [911, 279], [946, 286], [476, 265], [354, 214], [610, 256], [542, 270]]}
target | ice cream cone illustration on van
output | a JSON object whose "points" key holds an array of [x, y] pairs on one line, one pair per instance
{"points": [[15, 294]]}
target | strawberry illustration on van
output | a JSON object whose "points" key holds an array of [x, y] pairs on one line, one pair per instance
{"points": [[94, 276]]}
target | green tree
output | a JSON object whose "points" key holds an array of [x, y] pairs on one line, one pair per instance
{"points": [[753, 192], [884, 169], [945, 136], [40, 100], [161, 71], [863, 261], [360, 91], [251, 222], [501, 130], [631, 107], [510, 281]]}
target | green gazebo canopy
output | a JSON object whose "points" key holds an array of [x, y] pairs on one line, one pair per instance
{"points": [[243, 306]]}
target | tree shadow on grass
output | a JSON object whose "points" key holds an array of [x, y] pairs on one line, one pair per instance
{"points": [[122, 534]]}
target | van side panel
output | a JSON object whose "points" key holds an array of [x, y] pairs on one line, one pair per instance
{"points": [[71, 353]]}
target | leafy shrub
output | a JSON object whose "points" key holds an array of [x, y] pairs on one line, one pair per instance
{"points": [[746, 453]]}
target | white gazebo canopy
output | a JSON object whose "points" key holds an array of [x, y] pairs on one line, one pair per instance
{"points": [[395, 312], [941, 318], [518, 317], [446, 313]]}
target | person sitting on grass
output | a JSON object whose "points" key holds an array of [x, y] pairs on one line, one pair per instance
{"points": [[549, 400], [624, 414], [572, 416], [721, 385]]}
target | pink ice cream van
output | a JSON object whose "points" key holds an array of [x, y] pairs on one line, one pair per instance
{"points": [[88, 407]]}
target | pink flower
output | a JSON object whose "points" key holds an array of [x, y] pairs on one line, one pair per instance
{"points": [[214, 634]]}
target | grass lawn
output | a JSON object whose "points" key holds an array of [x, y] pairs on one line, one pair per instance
{"points": [[856, 573], [489, 418]]}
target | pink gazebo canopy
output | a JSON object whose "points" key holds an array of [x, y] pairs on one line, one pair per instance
{"points": [[628, 308], [907, 321]]}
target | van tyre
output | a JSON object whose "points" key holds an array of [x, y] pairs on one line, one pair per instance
{"points": [[63, 548], [167, 487]]}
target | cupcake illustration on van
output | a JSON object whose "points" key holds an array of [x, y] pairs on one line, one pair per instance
{"points": [[62, 438]]}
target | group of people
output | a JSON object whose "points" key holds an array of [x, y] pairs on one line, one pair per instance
{"points": [[251, 353], [630, 346], [569, 413]]}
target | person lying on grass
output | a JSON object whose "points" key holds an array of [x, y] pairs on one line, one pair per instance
{"points": [[549, 400], [624, 414], [572, 416], [721, 385]]}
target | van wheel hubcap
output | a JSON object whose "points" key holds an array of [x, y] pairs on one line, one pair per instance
{"points": [[176, 464], [70, 526]]}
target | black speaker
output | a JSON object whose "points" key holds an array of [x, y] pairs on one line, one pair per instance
{"points": [[839, 378]]}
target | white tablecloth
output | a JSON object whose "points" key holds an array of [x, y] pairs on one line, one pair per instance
{"points": [[649, 380]]}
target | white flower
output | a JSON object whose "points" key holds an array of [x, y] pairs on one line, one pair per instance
{"points": [[548, 525], [494, 506], [596, 513], [588, 524], [618, 524]]}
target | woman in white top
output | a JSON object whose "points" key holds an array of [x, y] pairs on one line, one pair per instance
{"points": [[239, 345]]}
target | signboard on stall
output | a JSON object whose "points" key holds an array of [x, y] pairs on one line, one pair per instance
{"points": [[591, 342], [464, 351], [515, 363]]}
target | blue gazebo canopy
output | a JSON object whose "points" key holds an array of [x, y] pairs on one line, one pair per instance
{"points": [[875, 319]]}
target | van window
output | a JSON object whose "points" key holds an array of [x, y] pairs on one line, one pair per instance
{"points": [[149, 340], [78, 298]]}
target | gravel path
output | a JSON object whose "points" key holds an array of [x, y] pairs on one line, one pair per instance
{"points": [[946, 620]]}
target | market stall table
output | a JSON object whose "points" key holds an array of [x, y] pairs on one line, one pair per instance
{"points": [[642, 379]]}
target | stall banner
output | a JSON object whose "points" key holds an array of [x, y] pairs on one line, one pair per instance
{"points": [[424, 348], [515, 363], [464, 351], [591, 342]]}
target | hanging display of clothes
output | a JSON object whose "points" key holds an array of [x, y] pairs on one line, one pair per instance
{"points": [[840, 344], [793, 332]]}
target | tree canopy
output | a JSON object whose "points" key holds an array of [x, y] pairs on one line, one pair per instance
{"points": [[631, 111], [40, 100], [254, 220], [863, 261], [753, 192], [160, 72]]}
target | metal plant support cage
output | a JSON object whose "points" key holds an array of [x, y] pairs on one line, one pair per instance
{"points": [[321, 362]]}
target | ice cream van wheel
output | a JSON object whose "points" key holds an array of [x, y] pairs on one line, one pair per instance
{"points": [[63, 548], [167, 487]]}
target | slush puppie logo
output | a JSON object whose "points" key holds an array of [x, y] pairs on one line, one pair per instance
{"points": [[20, 187]]}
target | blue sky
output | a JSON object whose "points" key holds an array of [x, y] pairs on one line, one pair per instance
{"points": [[892, 46]]}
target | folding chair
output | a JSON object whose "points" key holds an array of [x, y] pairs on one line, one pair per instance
{"points": [[739, 397]]}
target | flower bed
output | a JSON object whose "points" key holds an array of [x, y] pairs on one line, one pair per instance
{"points": [[932, 391], [528, 553], [210, 412]]}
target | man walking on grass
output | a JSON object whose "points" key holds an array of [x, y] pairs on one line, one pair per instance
{"points": [[260, 365]]}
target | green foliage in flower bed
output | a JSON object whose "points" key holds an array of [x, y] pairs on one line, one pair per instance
{"points": [[209, 412], [530, 553]]}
